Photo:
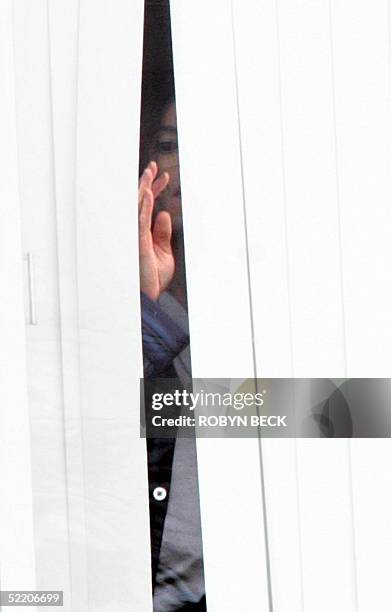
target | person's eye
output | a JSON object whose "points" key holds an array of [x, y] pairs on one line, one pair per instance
{"points": [[167, 146]]}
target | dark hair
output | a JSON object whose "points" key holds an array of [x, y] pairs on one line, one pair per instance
{"points": [[158, 88]]}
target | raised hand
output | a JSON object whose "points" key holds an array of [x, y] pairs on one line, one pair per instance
{"points": [[157, 264]]}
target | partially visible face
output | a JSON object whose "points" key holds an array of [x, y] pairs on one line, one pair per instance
{"points": [[165, 154]]}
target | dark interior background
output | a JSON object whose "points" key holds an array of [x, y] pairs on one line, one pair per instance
{"points": [[158, 72]]}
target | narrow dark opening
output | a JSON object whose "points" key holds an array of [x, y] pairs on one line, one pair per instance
{"points": [[176, 542]]}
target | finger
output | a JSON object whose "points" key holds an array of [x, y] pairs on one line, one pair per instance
{"points": [[148, 176], [145, 180], [160, 184], [145, 216], [153, 168], [162, 232]]}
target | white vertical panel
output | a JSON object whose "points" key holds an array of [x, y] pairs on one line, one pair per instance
{"points": [[117, 526], [63, 47], [17, 563], [311, 188], [43, 338], [257, 57], [361, 42], [219, 313], [317, 325], [316, 294]]}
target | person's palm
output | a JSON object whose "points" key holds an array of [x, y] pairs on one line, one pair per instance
{"points": [[157, 264]]}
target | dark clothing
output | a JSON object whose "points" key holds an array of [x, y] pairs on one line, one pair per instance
{"points": [[160, 457], [163, 341], [197, 607]]}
